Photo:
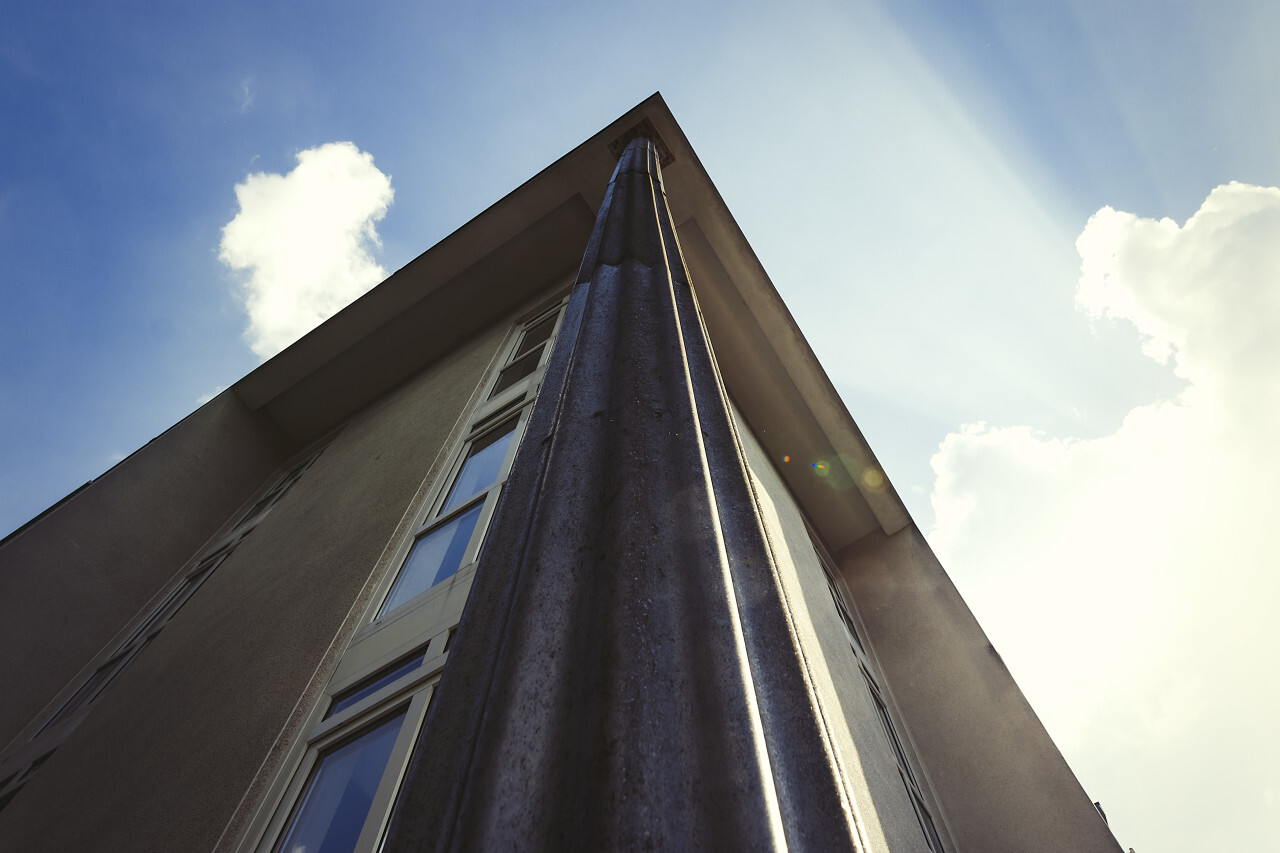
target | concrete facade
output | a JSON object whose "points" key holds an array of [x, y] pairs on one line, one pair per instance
{"points": [[136, 725]]}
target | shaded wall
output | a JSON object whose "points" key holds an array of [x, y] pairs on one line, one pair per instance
{"points": [[1000, 780], [164, 758], [885, 812], [72, 579]]}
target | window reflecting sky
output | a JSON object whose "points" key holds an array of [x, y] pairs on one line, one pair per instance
{"points": [[340, 791]]}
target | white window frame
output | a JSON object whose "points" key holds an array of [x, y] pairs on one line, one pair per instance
{"points": [[412, 693], [516, 401], [436, 519], [427, 622]]}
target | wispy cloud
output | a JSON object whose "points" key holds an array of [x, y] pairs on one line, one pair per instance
{"points": [[1130, 580], [304, 241], [246, 95], [205, 398]]}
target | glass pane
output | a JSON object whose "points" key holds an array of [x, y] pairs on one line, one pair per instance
{"points": [[536, 335], [81, 696], [35, 765], [258, 508], [854, 639], [158, 613], [277, 491], [5, 800], [516, 371], [434, 557], [175, 600], [340, 791], [372, 685], [480, 470], [125, 662]]}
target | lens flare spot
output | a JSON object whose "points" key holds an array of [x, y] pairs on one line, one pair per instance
{"points": [[821, 468], [786, 459], [872, 480]]}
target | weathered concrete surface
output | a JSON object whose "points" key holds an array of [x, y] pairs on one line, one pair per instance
{"points": [[1002, 784], [626, 674]]}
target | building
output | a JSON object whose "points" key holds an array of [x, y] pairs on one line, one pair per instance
{"points": [[702, 618]]}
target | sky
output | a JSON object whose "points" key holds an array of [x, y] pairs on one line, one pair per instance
{"points": [[1036, 246]]}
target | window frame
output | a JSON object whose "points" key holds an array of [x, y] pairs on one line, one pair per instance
{"points": [[436, 518], [414, 689], [48, 730], [411, 693], [491, 414], [423, 625], [910, 769]]}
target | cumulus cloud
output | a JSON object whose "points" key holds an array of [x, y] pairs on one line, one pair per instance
{"points": [[1132, 581], [303, 241]]}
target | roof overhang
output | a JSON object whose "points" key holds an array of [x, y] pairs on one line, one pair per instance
{"points": [[535, 236]]}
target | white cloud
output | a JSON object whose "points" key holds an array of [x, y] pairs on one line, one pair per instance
{"points": [[205, 398], [1132, 581], [303, 241], [247, 95]]}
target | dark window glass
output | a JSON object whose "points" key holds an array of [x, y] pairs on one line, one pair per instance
{"points": [[81, 697], [176, 599], [341, 790], [39, 762], [259, 507], [892, 734], [514, 372], [7, 798], [847, 619], [156, 615], [277, 491], [374, 683], [926, 824], [433, 558], [537, 335], [482, 465]]}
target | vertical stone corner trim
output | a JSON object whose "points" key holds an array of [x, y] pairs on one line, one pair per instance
{"points": [[626, 673]]}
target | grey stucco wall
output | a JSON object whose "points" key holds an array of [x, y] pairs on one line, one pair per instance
{"points": [[1002, 784], [165, 757], [72, 579], [887, 818]]}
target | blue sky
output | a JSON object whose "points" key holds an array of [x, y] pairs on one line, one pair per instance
{"points": [[914, 176]]}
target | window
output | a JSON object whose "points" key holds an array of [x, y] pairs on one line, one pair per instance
{"points": [[434, 558], [452, 533], [14, 782], [529, 353], [371, 685], [54, 730], [909, 780], [345, 785], [482, 464], [451, 538], [346, 774], [259, 510]]}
